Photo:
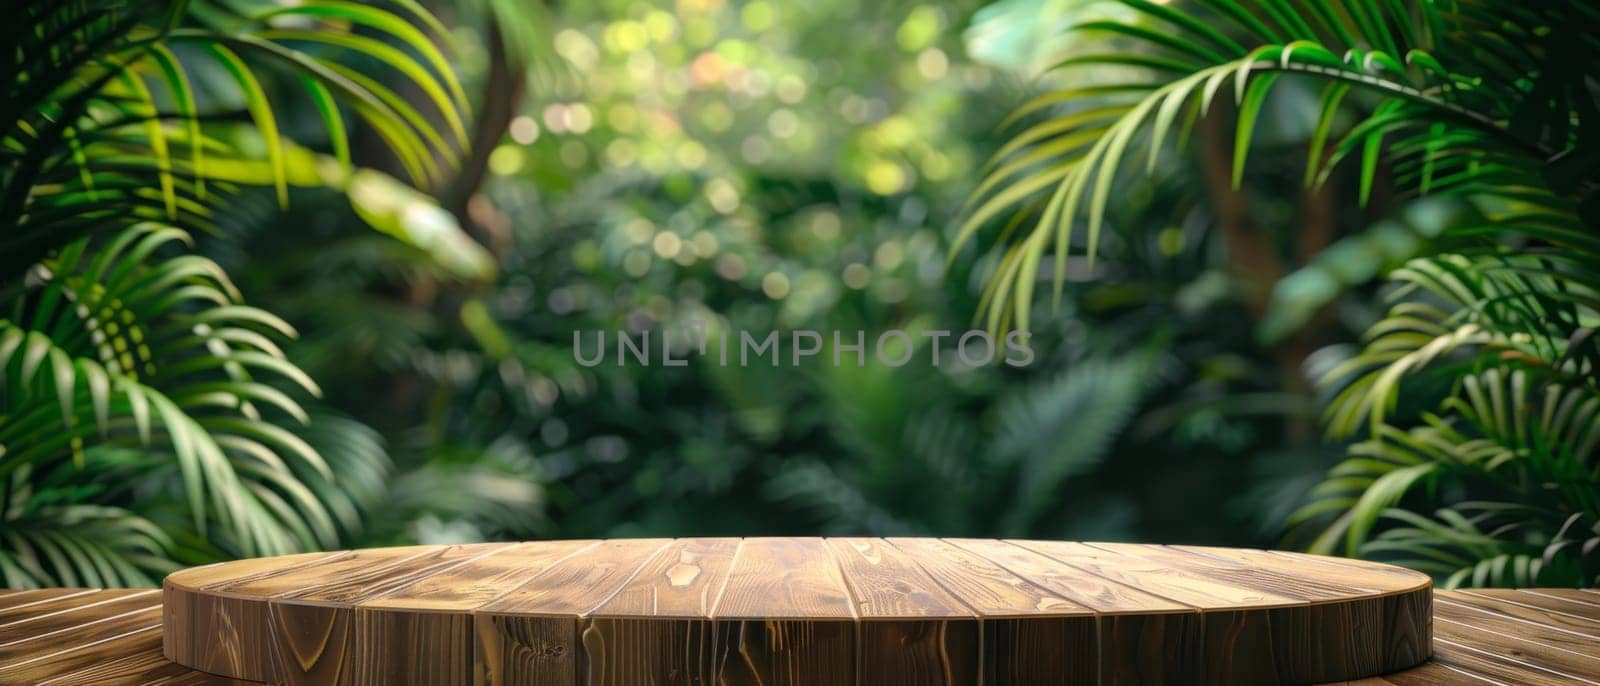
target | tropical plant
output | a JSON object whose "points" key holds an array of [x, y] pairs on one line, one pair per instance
{"points": [[1472, 128], [999, 470], [144, 408]]}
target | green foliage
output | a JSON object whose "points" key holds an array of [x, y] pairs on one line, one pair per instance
{"points": [[149, 418], [1478, 391], [1001, 472], [759, 166]]}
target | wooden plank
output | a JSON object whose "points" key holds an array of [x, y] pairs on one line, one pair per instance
{"points": [[1329, 639], [353, 586], [1568, 603], [1529, 609], [1583, 603], [784, 578], [334, 570], [658, 626], [784, 616], [422, 632], [314, 627], [1407, 630], [1489, 665], [1221, 644], [1182, 585], [131, 659], [230, 626], [26, 604], [1373, 572], [784, 651], [884, 583], [1078, 586], [682, 581], [88, 636], [1252, 611], [1320, 568], [1494, 631], [533, 634], [1139, 636], [20, 636], [220, 573], [986, 587], [579, 584], [1026, 629], [31, 661], [471, 586], [1431, 674], [1539, 609], [1240, 574], [217, 633], [911, 628]]}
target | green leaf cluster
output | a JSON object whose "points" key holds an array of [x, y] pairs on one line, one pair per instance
{"points": [[1476, 396], [149, 417]]}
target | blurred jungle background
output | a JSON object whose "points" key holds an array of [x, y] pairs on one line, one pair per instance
{"points": [[287, 276]]}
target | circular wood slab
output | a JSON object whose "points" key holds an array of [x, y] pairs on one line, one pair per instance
{"points": [[798, 611]]}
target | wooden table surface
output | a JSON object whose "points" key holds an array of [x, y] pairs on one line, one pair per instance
{"points": [[1480, 637], [797, 610], [79, 636], [1540, 636]]}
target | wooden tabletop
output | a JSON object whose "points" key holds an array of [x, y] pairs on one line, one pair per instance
{"points": [[1538, 637], [797, 610], [70, 636]]}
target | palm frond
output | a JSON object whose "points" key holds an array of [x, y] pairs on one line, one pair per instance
{"points": [[127, 357], [1445, 129], [1481, 117]]}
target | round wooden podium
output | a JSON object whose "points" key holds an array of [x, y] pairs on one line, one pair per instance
{"points": [[797, 611]]}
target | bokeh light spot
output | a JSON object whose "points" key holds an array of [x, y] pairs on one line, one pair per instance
{"points": [[783, 123], [704, 243], [730, 267], [722, 195], [667, 244], [885, 177], [505, 160], [889, 255], [825, 224], [638, 230], [932, 63], [775, 285], [636, 263], [524, 129], [790, 88], [857, 275], [920, 28]]}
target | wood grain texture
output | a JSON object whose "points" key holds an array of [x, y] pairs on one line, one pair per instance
{"points": [[1321, 637], [315, 631], [911, 628], [803, 611], [421, 633], [1024, 629], [1537, 636], [537, 632], [784, 615], [658, 623], [80, 636]]}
